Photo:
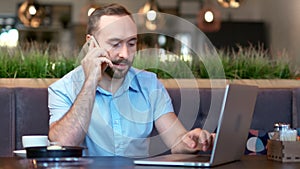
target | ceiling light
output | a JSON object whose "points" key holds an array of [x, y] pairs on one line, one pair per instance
{"points": [[31, 14], [32, 10], [209, 19], [150, 9], [209, 16], [151, 15], [230, 3]]}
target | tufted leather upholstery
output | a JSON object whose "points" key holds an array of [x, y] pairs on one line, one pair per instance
{"points": [[25, 111], [7, 126], [32, 114], [273, 106]]}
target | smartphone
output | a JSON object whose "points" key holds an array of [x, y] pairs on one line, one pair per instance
{"points": [[95, 41]]}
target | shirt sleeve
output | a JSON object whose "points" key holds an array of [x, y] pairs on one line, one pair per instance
{"points": [[162, 101], [58, 102]]}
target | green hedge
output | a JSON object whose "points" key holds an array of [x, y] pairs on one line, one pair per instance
{"points": [[34, 61], [245, 63], [45, 61]]}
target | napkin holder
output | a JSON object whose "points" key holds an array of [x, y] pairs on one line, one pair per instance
{"points": [[283, 151]]}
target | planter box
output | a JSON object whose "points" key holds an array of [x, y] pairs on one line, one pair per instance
{"points": [[169, 83], [220, 83], [26, 82]]}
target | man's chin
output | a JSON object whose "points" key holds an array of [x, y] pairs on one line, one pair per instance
{"points": [[116, 74]]}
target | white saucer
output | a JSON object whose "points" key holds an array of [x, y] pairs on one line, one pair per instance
{"points": [[20, 153]]}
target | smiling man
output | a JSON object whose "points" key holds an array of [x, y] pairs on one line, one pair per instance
{"points": [[110, 107]]}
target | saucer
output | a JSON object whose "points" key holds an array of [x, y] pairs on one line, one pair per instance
{"points": [[20, 153]]}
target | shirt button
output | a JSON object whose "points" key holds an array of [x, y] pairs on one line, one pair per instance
{"points": [[116, 122]]}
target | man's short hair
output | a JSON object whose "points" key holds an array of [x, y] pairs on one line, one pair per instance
{"points": [[112, 9]]}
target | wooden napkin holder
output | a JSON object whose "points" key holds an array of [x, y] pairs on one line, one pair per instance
{"points": [[283, 151]]}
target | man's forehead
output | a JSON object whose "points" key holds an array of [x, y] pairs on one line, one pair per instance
{"points": [[115, 20]]}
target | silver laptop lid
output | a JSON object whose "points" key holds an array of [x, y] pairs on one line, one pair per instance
{"points": [[234, 123]]}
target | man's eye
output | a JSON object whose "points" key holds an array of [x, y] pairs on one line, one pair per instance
{"points": [[132, 43], [116, 44]]}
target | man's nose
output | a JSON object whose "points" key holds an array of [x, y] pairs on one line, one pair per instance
{"points": [[124, 51]]}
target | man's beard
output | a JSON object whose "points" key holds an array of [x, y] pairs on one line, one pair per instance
{"points": [[115, 73]]}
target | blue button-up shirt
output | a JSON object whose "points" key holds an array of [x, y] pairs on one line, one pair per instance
{"points": [[120, 122]]}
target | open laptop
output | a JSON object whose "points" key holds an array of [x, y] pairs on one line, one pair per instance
{"points": [[231, 135]]}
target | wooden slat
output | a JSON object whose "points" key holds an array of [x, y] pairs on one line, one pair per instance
{"points": [[26, 82], [169, 83]]}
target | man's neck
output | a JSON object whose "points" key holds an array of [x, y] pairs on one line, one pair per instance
{"points": [[110, 84]]}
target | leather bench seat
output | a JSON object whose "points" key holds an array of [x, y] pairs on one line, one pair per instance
{"points": [[24, 111]]}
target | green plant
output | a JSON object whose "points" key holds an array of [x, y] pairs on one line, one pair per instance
{"points": [[246, 63], [172, 68], [34, 60], [253, 63]]}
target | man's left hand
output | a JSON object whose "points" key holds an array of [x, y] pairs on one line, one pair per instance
{"points": [[199, 140]]}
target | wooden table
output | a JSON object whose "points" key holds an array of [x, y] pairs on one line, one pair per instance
{"points": [[247, 162]]}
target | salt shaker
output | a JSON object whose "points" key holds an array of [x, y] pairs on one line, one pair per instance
{"points": [[283, 132]]}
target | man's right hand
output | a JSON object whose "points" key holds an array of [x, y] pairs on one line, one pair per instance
{"points": [[95, 62]]}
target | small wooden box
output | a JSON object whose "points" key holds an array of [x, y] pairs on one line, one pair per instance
{"points": [[283, 151]]}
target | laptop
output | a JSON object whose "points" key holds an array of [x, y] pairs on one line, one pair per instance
{"points": [[231, 134]]}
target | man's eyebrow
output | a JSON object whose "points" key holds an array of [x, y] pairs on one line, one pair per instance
{"points": [[133, 38], [120, 40]]}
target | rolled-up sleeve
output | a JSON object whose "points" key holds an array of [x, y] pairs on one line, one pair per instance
{"points": [[58, 102], [162, 101]]}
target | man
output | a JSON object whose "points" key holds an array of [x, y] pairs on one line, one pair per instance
{"points": [[108, 106]]}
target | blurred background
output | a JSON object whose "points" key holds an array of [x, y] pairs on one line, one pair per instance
{"points": [[270, 24]]}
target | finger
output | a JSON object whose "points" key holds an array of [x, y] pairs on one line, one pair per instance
{"points": [[189, 141], [193, 136], [97, 52], [206, 140], [95, 42], [213, 136], [209, 141], [91, 44], [203, 137], [105, 60]]}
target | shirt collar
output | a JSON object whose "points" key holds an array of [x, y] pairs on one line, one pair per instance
{"points": [[130, 83]]}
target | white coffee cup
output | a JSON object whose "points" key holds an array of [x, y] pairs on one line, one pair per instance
{"points": [[35, 141]]}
